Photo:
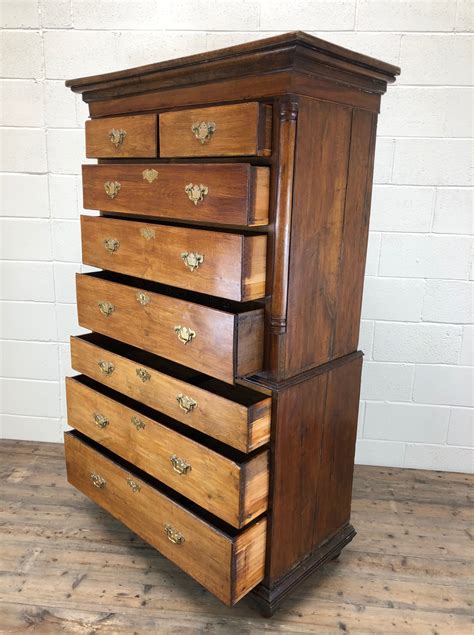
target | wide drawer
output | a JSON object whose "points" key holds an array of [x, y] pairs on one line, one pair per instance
{"points": [[233, 415], [228, 265], [218, 131], [235, 194], [222, 344], [229, 564], [122, 137], [232, 487]]}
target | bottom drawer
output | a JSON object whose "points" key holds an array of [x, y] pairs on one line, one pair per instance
{"points": [[227, 563]]}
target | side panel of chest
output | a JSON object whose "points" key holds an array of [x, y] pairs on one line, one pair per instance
{"points": [[314, 434], [331, 190]]}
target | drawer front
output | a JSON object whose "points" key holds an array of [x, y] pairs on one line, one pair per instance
{"points": [[219, 344], [228, 566], [225, 265], [122, 137], [219, 131], [237, 492], [235, 194], [237, 417]]}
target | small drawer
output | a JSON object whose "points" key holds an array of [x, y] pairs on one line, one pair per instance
{"points": [[227, 265], [221, 343], [234, 415], [226, 562], [218, 131], [231, 487], [122, 137], [230, 194]]}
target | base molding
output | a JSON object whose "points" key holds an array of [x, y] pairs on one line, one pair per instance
{"points": [[269, 599]]}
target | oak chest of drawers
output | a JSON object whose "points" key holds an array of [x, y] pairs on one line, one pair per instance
{"points": [[216, 410]]}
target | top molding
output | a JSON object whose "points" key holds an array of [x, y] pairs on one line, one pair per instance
{"points": [[296, 51]]}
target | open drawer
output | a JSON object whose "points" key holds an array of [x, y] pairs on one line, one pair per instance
{"points": [[234, 415], [223, 341], [227, 563], [228, 484]]}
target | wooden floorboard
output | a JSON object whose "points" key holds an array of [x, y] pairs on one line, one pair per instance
{"points": [[68, 567]]}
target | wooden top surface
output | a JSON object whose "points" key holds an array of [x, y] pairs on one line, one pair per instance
{"points": [[295, 50]]}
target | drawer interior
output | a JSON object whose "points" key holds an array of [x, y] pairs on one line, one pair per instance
{"points": [[213, 444], [226, 561], [219, 304], [240, 394], [177, 498], [228, 483]]}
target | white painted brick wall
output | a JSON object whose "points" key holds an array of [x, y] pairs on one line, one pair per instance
{"points": [[417, 334], [422, 343], [15, 195]]}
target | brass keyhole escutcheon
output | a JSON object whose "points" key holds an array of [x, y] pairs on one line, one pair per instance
{"points": [[142, 298], [137, 422], [143, 374], [135, 487], [150, 175], [147, 232]]}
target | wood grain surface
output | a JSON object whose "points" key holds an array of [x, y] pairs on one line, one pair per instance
{"points": [[235, 491], [233, 265], [237, 194], [276, 84], [239, 53], [140, 140], [232, 414], [317, 221], [204, 552], [305, 173], [226, 345], [240, 130], [315, 427], [69, 567]]}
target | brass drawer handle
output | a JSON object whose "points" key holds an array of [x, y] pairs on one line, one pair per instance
{"points": [[137, 422], [179, 465], [192, 259], [184, 333], [143, 374], [112, 188], [117, 136], [150, 175], [134, 485], [203, 130], [195, 192], [142, 298], [106, 308], [186, 403], [111, 244], [106, 367], [100, 420], [98, 481], [173, 535]]}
